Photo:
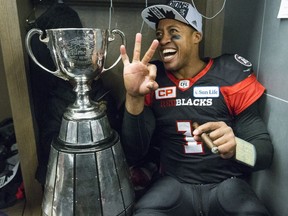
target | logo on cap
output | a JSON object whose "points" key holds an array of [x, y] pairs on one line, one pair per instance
{"points": [[177, 10], [181, 7], [158, 13]]}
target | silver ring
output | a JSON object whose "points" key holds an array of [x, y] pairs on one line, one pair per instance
{"points": [[215, 150]]}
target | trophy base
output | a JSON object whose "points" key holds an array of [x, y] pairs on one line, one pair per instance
{"points": [[91, 181], [85, 133]]}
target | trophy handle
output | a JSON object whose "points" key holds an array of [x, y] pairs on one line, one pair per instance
{"points": [[30, 53], [112, 38]]}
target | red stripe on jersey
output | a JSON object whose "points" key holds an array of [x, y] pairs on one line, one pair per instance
{"points": [[241, 95]]}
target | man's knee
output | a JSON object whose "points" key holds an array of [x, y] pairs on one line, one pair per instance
{"points": [[235, 197]]}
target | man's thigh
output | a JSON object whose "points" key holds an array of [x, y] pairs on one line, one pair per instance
{"points": [[165, 197], [235, 197]]}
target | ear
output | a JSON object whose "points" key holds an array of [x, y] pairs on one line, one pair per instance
{"points": [[197, 36]]}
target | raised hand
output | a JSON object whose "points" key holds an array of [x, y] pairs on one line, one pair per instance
{"points": [[139, 75]]}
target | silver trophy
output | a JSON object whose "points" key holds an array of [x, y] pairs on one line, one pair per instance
{"points": [[87, 173]]}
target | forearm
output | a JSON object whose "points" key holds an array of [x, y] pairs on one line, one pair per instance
{"points": [[264, 152], [136, 134], [250, 127]]}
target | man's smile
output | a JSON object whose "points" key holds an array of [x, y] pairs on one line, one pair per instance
{"points": [[168, 54]]}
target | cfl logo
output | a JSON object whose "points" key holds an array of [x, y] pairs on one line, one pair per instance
{"points": [[164, 93], [184, 84]]}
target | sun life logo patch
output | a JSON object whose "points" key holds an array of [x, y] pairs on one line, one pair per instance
{"points": [[206, 91]]}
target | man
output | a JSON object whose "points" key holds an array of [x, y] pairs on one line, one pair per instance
{"points": [[166, 98]]}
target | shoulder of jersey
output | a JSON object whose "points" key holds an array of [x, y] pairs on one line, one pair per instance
{"points": [[233, 67]]}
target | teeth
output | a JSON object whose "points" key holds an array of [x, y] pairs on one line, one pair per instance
{"points": [[169, 51]]}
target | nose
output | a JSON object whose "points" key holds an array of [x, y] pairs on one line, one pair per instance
{"points": [[166, 38]]}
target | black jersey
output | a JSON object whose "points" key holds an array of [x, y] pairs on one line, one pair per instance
{"points": [[223, 89]]}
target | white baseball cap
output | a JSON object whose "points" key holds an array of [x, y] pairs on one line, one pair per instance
{"points": [[178, 10]]}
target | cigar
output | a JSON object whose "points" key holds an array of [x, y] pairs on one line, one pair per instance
{"points": [[206, 139]]}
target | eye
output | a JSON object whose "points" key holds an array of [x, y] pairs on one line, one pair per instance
{"points": [[173, 31], [159, 35]]}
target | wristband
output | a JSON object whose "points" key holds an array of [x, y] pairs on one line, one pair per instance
{"points": [[245, 152]]}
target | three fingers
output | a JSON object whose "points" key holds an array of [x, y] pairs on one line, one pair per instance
{"points": [[137, 51]]}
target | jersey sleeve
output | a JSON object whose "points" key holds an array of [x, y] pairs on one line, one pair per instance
{"points": [[250, 126], [242, 94], [136, 134]]}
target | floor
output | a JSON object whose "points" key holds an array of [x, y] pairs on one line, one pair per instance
{"points": [[16, 210]]}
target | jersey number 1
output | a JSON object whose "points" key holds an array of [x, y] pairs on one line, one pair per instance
{"points": [[191, 146]]}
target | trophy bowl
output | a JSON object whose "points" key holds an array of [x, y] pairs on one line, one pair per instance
{"points": [[78, 53], [79, 56]]}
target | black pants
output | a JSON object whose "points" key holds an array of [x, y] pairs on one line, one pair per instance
{"points": [[168, 197]]}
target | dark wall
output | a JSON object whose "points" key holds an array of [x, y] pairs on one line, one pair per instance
{"points": [[253, 30]]}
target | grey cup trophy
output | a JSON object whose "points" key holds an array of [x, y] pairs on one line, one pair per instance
{"points": [[87, 173]]}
